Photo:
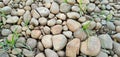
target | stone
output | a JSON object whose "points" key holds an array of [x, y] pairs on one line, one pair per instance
{"points": [[59, 41], [102, 54], [61, 16], [91, 46], [6, 32], [54, 8], [68, 34], [6, 10], [40, 55], [28, 53], [35, 34], [29, 2], [1, 4], [90, 7], [71, 1], [118, 29], [116, 22], [57, 29], [27, 16], [43, 11], [72, 48], [82, 19], [64, 7], [51, 22], [116, 37], [43, 21], [12, 19], [34, 22], [79, 33], [50, 53], [75, 8], [20, 12], [47, 41], [6, 1], [59, 22], [106, 41], [84, 1], [21, 40], [35, 14], [46, 29], [16, 28], [31, 43], [73, 25], [104, 2], [61, 53], [110, 25], [16, 51], [4, 54], [40, 46], [116, 48], [73, 15]]}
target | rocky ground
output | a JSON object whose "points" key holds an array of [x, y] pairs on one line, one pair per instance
{"points": [[59, 28]]}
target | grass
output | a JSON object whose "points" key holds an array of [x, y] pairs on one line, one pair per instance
{"points": [[109, 17], [2, 14], [82, 10], [65, 1], [26, 22]]}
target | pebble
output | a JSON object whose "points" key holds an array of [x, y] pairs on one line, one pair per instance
{"points": [[29, 2], [21, 40], [118, 29], [110, 25], [64, 7], [98, 25], [5, 54], [34, 22], [102, 54], [104, 2], [27, 16], [61, 16], [91, 46], [50, 53], [72, 48], [91, 7], [6, 32], [59, 22], [73, 25], [40, 55], [35, 34], [82, 19], [75, 8], [28, 53], [40, 46], [59, 41], [57, 29], [6, 1], [116, 22], [51, 22], [79, 33], [47, 41], [116, 48], [116, 36], [43, 21], [61, 53], [54, 8], [20, 12], [46, 30], [71, 1], [68, 34], [35, 14], [43, 11], [31, 43], [12, 19], [106, 41], [73, 15], [6, 9], [16, 28], [84, 1], [16, 51], [1, 5]]}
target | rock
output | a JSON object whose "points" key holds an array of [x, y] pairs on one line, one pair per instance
{"points": [[4, 54], [40, 55], [59, 22], [104, 2], [54, 8], [79, 33], [61, 16], [92, 24], [43, 21], [61, 53], [40, 46], [57, 29], [73, 15], [116, 49], [51, 22], [110, 25], [16, 28], [102, 54], [11, 55], [98, 25], [115, 55], [50, 53], [59, 1], [117, 37], [106, 41], [47, 41], [1, 4], [6, 9], [20, 12], [16, 51], [59, 41], [34, 22], [73, 25], [29, 2], [35, 14], [90, 7], [19, 45], [75, 8], [71, 1], [97, 9], [21, 40], [43, 11], [84, 1], [82, 19], [35, 34], [12, 19], [118, 29], [64, 7], [72, 48], [116, 22], [6, 32], [46, 30], [6, 1], [27, 16], [28, 53], [31, 43], [91, 46], [68, 34]]}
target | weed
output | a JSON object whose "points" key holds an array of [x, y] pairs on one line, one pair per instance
{"points": [[65, 1], [2, 14], [109, 17], [82, 10], [26, 22]]}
